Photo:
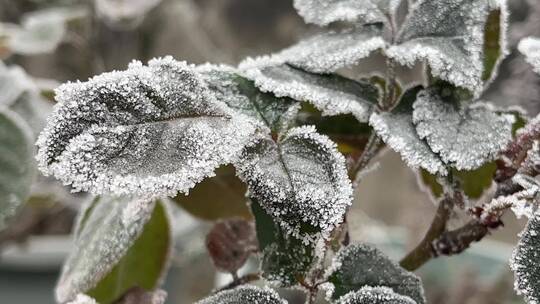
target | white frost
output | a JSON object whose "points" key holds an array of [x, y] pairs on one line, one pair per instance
{"points": [[530, 47]]}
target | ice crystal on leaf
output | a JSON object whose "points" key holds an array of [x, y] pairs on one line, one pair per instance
{"points": [[300, 180], [245, 294], [106, 231], [241, 95], [324, 12], [464, 136], [82, 299], [150, 130], [17, 167], [397, 130], [359, 265], [449, 35], [524, 262], [530, 47], [331, 94], [330, 51], [374, 295]]}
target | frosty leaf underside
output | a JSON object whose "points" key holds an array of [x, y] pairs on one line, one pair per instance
{"points": [[150, 130], [330, 93], [359, 265], [17, 166], [119, 244], [300, 180], [245, 295]]}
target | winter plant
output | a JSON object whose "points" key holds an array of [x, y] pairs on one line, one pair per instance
{"points": [[300, 133]]}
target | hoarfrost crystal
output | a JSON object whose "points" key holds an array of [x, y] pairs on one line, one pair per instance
{"points": [[375, 295]]}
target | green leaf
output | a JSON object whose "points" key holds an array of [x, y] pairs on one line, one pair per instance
{"points": [[330, 93], [219, 197], [245, 294], [473, 182], [241, 94], [301, 179], [121, 244], [524, 262], [285, 259], [495, 48], [360, 265], [374, 295], [17, 165]]}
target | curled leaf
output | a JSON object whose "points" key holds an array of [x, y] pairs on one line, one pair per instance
{"points": [[150, 130]]}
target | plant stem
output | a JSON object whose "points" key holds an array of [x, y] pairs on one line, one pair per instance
{"points": [[423, 252]]}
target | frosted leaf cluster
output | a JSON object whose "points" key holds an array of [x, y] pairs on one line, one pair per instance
{"points": [[17, 168], [331, 94], [530, 47], [360, 265], [150, 130], [434, 131], [397, 130], [299, 180], [39, 32], [375, 295], [245, 294], [106, 231], [524, 262], [449, 35], [464, 137], [324, 12]]}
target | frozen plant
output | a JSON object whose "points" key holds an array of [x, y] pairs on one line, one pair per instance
{"points": [[289, 135]]}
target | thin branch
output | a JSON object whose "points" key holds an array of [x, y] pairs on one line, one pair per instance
{"points": [[424, 251]]}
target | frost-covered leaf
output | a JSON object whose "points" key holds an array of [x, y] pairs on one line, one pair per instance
{"points": [[360, 265], [449, 35], [19, 93], [82, 299], [149, 130], [330, 51], [524, 262], [324, 12], [40, 31], [218, 197], [230, 243], [464, 136], [241, 94], [245, 294], [124, 14], [375, 295], [17, 166], [530, 47], [301, 180], [397, 130], [285, 259], [120, 244], [330, 93]]}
